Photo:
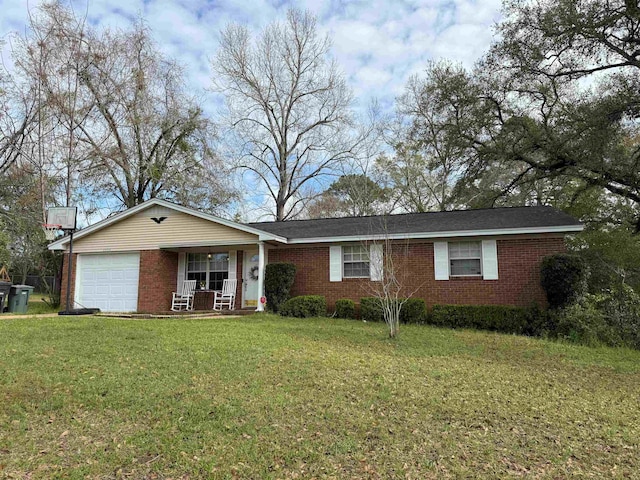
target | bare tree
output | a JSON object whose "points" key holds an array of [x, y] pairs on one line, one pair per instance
{"points": [[145, 135], [391, 282], [289, 107], [16, 121], [114, 114]]}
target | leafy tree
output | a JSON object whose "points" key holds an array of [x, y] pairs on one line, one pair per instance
{"points": [[555, 100], [613, 256], [352, 195], [288, 106], [428, 156]]}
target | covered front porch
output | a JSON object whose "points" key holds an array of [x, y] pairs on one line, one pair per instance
{"points": [[211, 264]]}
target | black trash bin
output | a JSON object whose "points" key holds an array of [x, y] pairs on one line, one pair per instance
{"points": [[4, 293]]}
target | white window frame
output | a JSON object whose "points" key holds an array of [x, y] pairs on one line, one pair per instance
{"points": [[364, 251], [480, 275], [208, 270]]}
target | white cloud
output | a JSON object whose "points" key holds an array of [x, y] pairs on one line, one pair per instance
{"points": [[377, 43]]}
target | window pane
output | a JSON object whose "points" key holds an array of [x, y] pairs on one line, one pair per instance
{"points": [[219, 262], [464, 250], [356, 269], [465, 267], [196, 262], [216, 280], [199, 276], [474, 249]]}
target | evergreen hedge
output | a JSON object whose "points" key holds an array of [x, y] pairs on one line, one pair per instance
{"points": [[304, 306], [345, 308], [499, 318], [564, 278], [414, 310], [278, 280]]}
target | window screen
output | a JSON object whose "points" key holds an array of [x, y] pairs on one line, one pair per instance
{"points": [[355, 262], [465, 259], [209, 269]]}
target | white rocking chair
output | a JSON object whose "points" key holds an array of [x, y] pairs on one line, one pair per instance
{"points": [[184, 299], [225, 297]]}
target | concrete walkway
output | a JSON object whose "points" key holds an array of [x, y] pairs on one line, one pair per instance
{"points": [[11, 316]]}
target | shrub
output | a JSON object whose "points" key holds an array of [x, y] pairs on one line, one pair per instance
{"points": [[304, 306], [371, 310], [563, 277], [622, 312], [611, 318], [499, 318], [278, 280], [414, 310], [583, 323], [538, 322], [345, 308]]}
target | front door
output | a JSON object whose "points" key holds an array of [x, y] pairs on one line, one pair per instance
{"points": [[250, 279]]}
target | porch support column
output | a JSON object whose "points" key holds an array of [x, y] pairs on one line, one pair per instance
{"points": [[260, 307]]}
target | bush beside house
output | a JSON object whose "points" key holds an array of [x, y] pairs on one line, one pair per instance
{"points": [[278, 280], [304, 306], [345, 308], [564, 278], [414, 310], [498, 318]]}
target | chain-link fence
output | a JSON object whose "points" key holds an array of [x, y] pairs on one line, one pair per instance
{"points": [[38, 283]]}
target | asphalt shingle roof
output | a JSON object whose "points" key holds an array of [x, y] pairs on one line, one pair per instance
{"points": [[430, 222]]}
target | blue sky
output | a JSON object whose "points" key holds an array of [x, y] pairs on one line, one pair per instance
{"points": [[378, 44]]}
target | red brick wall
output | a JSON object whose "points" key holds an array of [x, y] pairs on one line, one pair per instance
{"points": [[63, 288], [518, 284], [518, 266], [157, 280]]}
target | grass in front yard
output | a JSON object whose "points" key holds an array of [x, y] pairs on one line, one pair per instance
{"points": [[267, 397], [38, 306]]}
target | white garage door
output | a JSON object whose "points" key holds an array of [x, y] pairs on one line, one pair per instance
{"points": [[108, 281]]}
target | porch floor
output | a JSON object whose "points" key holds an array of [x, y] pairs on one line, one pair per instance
{"points": [[183, 314]]}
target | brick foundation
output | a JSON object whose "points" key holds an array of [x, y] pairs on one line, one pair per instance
{"points": [[518, 264]]}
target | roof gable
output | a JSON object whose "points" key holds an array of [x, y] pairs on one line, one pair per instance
{"points": [[157, 208]]}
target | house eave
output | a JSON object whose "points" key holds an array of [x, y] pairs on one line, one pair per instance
{"points": [[448, 234]]}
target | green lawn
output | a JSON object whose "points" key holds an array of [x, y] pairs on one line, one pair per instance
{"points": [[266, 397], [38, 306]]}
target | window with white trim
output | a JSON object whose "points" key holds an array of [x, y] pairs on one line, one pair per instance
{"points": [[355, 261], [209, 269], [465, 259]]}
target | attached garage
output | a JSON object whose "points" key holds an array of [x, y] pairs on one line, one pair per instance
{"points": [[108, 281]]}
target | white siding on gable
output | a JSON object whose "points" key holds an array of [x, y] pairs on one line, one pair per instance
{"points": [[157, 211], [335, 263], [376, 262], [441, 260], [489, 260], [140, 232]]}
